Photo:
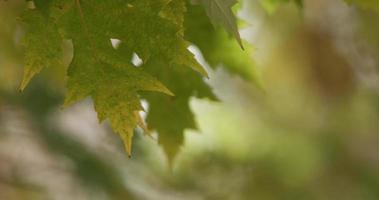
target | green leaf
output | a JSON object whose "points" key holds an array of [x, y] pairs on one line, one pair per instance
{"points": [[113, 85], [152, 29], [213, 44], [98, 70], [171, 116], [42, 44], [220, 13]]}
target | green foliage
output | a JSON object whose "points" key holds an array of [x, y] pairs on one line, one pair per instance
{"points": [[170, 116], [113, 85], [152, 29], [366, 4], [311, 136], [216, 46], [272, 5], [42, 44], [220, 13]]}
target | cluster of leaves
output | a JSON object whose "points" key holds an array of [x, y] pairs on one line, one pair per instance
{"points": [[159, 32]]}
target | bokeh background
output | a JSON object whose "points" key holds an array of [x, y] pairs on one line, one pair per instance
{"points": [[309, 131]]}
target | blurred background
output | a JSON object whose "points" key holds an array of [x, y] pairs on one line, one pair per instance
{"points": [[312, 132]]}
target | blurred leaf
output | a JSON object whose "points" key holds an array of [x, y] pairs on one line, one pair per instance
{"points": [[220, 13], [171, 116], [217, 48]]}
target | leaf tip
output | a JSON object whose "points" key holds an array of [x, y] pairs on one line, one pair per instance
{"points": [[25, 81], [203, 72], [127, 139], [168, 92], [29, 73]]}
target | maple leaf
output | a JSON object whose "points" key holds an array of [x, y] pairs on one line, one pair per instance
{"points": [[153, 28], [173, 11], [213, 42], [171, 116], [220, 13], [42, 44], [113, 85], [98, 71]]}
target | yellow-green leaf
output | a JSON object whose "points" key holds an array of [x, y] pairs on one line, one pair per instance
{"points": [[42, 45]]}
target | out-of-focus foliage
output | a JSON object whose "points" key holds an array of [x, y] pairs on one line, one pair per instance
{"points": [[171, 116], [366, 4], [272, 5], [88, 169], [216, 46], [220, 12]]}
